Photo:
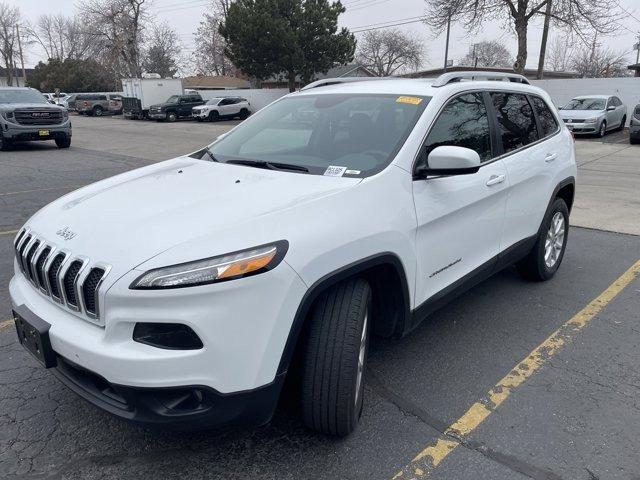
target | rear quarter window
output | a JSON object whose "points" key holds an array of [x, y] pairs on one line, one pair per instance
{"points": [[547, 119]]}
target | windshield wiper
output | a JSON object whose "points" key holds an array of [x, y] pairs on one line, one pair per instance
{"points": [[269, 165], [211, 155]]}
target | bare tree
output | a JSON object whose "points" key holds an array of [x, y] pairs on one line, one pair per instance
{"points": [[599, 62], [209, 56], [581, 16], [560, 54], [9, 18], [162, 54], [387, 52], [488, 53], [118, 27], [63, 37]]}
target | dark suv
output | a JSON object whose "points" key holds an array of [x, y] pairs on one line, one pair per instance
{"points": [[25, 114], [177, 106], [634, 126]]}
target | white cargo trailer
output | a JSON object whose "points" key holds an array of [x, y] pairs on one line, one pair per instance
{"points": [[140, 93]]}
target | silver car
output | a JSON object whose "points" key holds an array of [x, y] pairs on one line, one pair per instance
{"points": [[594, 114]]}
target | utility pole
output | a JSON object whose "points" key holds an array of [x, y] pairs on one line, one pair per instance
{"points": [[545, 36], [24, 72], [637, 46], [446, 48]]}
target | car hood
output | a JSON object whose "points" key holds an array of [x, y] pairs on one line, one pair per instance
{"points": [[128, 219], [580, 113], [13, 106]]}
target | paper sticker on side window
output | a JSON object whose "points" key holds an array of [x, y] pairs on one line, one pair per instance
{"points": [[409, 100], [333, 171]]}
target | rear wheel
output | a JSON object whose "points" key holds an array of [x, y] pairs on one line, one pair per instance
{"points": [[334, 358], [171, 116], [214, 116], [244, 114], [63, 142], [622, 124], [546, 256]]}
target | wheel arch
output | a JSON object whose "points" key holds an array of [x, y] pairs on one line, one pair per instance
{"points": [[391, 309], [565, 190]]}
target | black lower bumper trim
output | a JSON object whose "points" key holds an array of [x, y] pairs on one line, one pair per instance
{"points": [[190, 407]]}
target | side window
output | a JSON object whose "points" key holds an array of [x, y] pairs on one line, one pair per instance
{"points": [[515, 120], [462, 123], [101, 97], [547, 120]]}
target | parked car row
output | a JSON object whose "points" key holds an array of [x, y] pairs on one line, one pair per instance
{"points": [[594, 114], [193, 106]]}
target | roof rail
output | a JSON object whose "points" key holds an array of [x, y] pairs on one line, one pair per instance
{"points": [[451, 77], [336, 81]]}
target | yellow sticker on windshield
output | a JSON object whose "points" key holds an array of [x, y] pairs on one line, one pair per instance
{"points": [[409, 100]]}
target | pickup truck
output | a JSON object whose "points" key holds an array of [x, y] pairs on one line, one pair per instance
{"points": [[25, 115], [176, 106]]}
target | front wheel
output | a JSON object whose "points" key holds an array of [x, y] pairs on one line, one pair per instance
{"points": [[4, 144], [603, 129], [63, 142], [171, 117], [214, 116], [334, 358], [97, 112], [546, 256]]}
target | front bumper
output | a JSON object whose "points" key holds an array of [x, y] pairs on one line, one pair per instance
{"points": [[584, 128], [158, 115], [200, 114], [16, 132], [236, 371]]}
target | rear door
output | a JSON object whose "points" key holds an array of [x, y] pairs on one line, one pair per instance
{"points": [[531, 148], [460, 218]]}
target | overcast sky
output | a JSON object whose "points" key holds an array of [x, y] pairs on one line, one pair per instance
{"points": [[184, 17]]}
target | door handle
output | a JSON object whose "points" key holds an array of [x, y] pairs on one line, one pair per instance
{"points": [[496, 179], [550, 157]]}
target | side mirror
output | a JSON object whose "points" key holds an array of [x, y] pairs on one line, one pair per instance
{"points": [[610, 108], [449, 160]]}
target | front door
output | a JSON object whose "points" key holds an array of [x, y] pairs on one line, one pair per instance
{"points": [[460, 218]]}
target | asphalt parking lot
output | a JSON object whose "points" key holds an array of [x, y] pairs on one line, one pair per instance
{"points": [[513, 380]]}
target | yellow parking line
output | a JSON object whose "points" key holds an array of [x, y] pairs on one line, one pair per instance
{"points": [[455, 435], [8, 232], [5, 324]]}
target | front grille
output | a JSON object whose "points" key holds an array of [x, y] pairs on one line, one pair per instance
{"points": [[39, 270], [636, 112], [40, 116], [60, 275], [69, 283], [30, 253], [90, 290], [53, 273]]}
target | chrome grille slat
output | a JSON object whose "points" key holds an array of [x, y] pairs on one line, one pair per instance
{"points": [[70, 280]]}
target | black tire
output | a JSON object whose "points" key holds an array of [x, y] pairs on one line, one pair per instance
{"points": [[622, 124], [533, 266], [332, 395], [603, 129], [244, 114], [4, 144], [634, 141], [214, 116], [97, 111], [171, 117], [63, 142]]}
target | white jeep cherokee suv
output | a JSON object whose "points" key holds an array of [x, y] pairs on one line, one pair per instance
{"points": [[222, 107], [183, 293]]}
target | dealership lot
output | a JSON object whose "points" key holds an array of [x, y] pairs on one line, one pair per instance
{"points": [[577, 417]]}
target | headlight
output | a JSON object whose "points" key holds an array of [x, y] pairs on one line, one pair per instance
{"points": [[591, 120], [216, 269], [65, 115], [8, 115]]}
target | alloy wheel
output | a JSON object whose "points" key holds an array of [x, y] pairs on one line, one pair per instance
{"points": [[554, 242]]}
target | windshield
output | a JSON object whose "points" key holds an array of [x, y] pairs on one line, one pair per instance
{"points": [[585, 104], [173, 99], [213, 101], [21, 96], [355, 135]]}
